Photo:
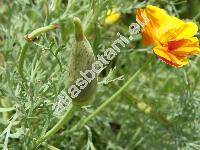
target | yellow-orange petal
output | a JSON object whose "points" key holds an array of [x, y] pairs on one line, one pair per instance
{"points": [[186, 51], [186, 42], [171, 63], [163, 26], [184, 47], [162, 52], [151, 19], [148, 37], [148, 31], [187, 30], [170, 25], [167, 57], [140, 16], [157, 15]]}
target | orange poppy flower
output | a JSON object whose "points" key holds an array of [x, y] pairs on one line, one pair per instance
{"points": [[172, 38]]}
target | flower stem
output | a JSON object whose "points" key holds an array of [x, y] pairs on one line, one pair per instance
{"points": [[33, 34], [144, 107], [28, 38], [21, 60], [93, 20], [55, 5], [112, 98], [67, 116]]}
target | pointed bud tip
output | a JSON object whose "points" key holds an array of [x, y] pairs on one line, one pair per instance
{"points": [[78, 29], [76, 20]]}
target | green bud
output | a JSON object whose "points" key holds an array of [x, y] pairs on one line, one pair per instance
{"points": [[81, 59]]}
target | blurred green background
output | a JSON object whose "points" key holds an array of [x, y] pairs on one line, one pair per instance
{"points": [[174, 93]]}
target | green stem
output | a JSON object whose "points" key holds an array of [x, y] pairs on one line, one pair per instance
{"points": [[69, 4], [92, 21], [21, 60], [51, 147], [66, 13], [28, 38], [33, 34], [97, 11], [196, 16], [67, 116], [55, 5], [112, 98], [144, 107]]}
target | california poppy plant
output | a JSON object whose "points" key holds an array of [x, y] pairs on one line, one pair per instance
{"points": [[172, 38]]}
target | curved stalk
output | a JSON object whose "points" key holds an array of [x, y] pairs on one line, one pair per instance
{"points": [[67, 116], [28, 38], [33, 34]]}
